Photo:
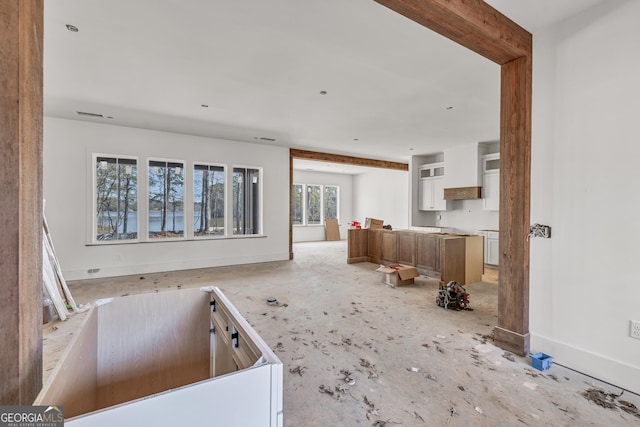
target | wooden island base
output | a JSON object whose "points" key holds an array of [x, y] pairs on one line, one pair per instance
{"points": [[444, 256]]}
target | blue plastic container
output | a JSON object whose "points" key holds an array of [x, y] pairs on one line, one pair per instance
{"points": [[541, 361]]}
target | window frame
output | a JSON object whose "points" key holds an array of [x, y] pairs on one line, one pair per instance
{"points": [[324, 199], [259, 215], [321, 210], [303, 205], [185, 188], [93, 240], [305, 192], [225, 171]]}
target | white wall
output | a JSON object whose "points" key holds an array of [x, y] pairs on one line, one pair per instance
{"points": [[68, 145], [382, 194], [309, 233], [467, 216], [584, 280]]}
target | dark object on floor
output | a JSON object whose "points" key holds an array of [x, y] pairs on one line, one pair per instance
{"points": [[600, 398], [387, 227], [453, 296]]}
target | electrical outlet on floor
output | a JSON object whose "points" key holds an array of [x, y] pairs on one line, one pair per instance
{"points": [[635, 329]]}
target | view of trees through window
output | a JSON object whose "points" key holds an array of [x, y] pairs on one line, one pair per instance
{"points": [[208, 200], [320, 203], [246, 199], [116, 198], [330, 202], [297, 204], [166, 199], [314, 204]]}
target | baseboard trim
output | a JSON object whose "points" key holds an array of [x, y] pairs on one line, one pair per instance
{"points": [[615, 372], [127, 270]]}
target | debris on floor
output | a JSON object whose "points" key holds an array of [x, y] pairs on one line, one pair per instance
{"points": [[298, 370], [611, 401], [508, 356]]}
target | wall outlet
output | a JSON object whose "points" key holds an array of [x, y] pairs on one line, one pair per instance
{"points": [[634, 330]]}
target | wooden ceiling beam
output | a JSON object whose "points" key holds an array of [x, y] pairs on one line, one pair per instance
{"points": [[347, 160]]}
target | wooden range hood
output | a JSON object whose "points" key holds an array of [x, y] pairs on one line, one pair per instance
{"points": [[463, 193]]}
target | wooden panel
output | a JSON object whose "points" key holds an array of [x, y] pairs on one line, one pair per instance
{"points": [[375, 246], [331, 229], [347, 160], [473, 24], [152, 342], [515, 150], [406, 245], [512, 341], [473, 259], [428, 252], [290, 206], [357, 246], [21, 39], [463, 193], [74, 381], [389, 247], [452, 261]]}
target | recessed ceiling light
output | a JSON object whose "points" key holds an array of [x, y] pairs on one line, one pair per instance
{"points": [[449, 108], [72, 28], [109, 117], [204, 105], [410, 149], [323, 92], [355, 139]]}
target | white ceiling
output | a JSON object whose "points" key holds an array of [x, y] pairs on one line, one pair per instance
{"points": [[393, 88]]}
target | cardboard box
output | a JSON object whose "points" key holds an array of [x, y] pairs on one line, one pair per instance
{"points": [[398, 275], [373, 223], [331, 229]]}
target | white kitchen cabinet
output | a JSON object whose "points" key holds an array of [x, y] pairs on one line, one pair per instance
{"points": [[491, 246], [431, 195], [492, 252], [491, 182], [431, 188]]}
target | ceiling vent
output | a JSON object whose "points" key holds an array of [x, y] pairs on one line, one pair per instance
{"points": [[84, 113]]}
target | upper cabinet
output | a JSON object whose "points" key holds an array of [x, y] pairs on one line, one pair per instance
{"points": [[431, 187], [491, 182]]}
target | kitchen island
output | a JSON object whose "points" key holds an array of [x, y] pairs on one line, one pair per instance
{"points": [[443, 256]]}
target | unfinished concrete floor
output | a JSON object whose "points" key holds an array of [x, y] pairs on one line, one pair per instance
{"points": [[359, 353]]}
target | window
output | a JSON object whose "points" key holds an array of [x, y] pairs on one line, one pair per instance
{"points": [[208, 200], [246, 201], [321, 202], [166, 199], [116, 185], [297, 204], [314, 204], [331, 202]]}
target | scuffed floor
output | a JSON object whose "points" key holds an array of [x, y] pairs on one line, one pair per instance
{"points": [[359, 353]]}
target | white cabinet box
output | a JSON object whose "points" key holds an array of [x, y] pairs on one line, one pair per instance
{"points": [[491, 246], [491, 182], [431, 188], [175, 358]]}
